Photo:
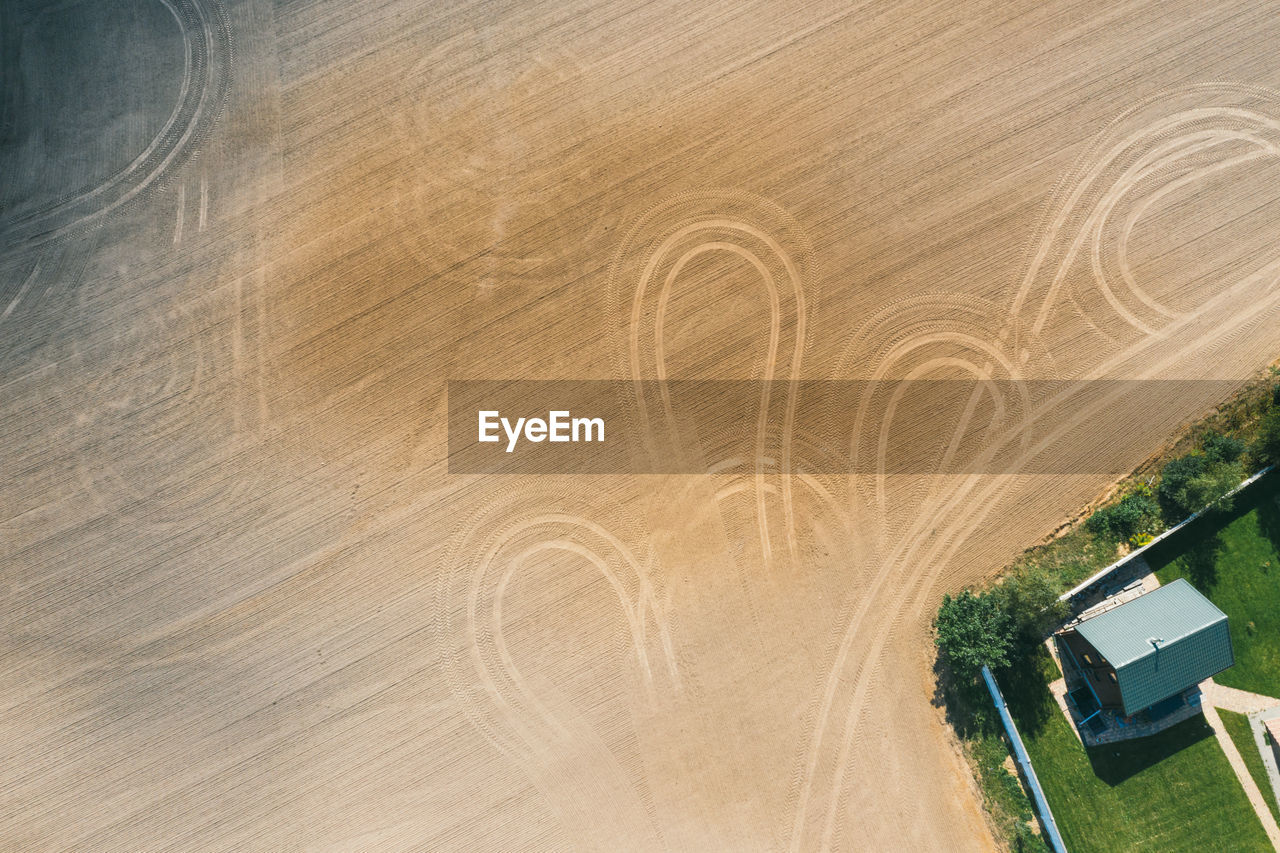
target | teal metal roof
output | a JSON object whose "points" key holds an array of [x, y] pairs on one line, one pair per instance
{"points": [[1194, 643]]}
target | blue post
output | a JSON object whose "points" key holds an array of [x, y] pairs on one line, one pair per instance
{"points": [[1024, 761]]}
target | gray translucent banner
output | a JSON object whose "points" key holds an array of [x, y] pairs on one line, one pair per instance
{"points": [[817, 427]]}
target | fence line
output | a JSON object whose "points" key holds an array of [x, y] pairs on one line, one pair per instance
{"points": [[1099, 575], [1024, 761]]}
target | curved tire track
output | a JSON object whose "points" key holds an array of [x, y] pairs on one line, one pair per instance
{"points": [[498, 698], [641, 281], [205, 87]]}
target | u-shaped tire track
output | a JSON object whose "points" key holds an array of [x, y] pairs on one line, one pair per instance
{"points": [[496, 544], [657, 248]]}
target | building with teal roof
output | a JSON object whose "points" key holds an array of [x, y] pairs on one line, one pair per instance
{"points": [[1133, 657]]}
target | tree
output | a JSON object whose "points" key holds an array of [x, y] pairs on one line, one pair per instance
{"points": [[1173, 484], [1267, 449], [1210, 487], [1029, 599], [973, 631], [1191, 483]]}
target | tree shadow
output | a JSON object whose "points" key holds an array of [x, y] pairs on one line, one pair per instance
{"points": [[966, 705], [1202, 560], [1206, 545], [1269, 514], [1115, 762], [1025, 684], [1200, 539]]}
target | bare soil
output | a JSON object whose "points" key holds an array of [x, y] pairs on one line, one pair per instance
{"points": [[247, 608]]}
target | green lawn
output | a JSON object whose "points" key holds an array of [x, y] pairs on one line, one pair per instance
{"points": [[1235, 561], [1170, 792], [1241, 732]]}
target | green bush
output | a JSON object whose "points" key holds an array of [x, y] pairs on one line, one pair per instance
{"points": [[1026, 840], [1267, 449], [1133, 516], [1173, 482], [1190, 483], [1222, 448]]}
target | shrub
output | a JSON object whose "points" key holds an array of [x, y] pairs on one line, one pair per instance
{"points": [[1133, 516], [973, 631], [1190, 483], [1222, 448], [1026, 840], [1267, 449]]}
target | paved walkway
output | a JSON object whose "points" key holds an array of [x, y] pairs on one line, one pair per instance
{"points": [[1256, 798], [1058, 689], [1149, 580], [1240, 701]]}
